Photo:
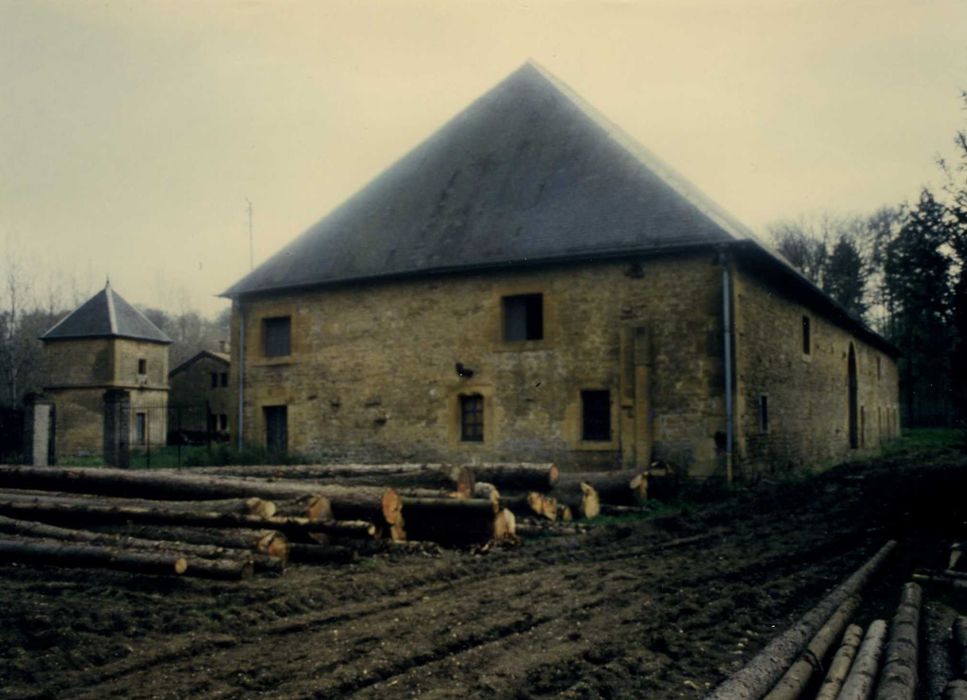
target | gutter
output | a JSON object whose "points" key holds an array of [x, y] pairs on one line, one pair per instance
{"points": [[241, 373], [727, 332]]}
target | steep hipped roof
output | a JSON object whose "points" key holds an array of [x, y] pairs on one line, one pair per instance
{"points": [[528, 172], [106, 315]]}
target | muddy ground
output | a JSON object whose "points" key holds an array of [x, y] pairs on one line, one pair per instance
{"points": [[614, 613]]}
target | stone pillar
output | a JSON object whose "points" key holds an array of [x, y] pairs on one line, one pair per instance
{"points": [[39, 432], [117, 428]]}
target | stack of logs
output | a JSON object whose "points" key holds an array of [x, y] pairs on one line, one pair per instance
{"points": [[228, 522], [825, 657]]}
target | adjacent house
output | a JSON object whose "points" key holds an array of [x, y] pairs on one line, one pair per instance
{"points": [[106, 370], [531, 284], [200, 398]]}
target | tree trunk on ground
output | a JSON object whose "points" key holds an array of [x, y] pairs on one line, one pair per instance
{"points": [[614, 488], [956, 690], [517, 477], [795, 681], [244, 506], [321, 554], [859, 683], [840, 665], [268, 542], [765, 669], [363, 503], [55, 553], [454, 521], [262, 562], [898, 678], [579, 496], [107, 514], [432, 476], [959, 634]]}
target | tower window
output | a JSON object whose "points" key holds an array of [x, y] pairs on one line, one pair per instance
{"points": [[596, 415], [524, 317], [471, 418]]}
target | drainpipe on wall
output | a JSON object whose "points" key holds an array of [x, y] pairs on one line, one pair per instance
{"points": [[727, 345], [241, 373]]}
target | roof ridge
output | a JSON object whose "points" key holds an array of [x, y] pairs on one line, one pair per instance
{"points": [[111, 313]]}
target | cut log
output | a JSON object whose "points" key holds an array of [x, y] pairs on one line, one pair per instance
{"points": [[795, 681], [482, 489], [626, 488], [432, 476], [542, 506], [453, 521], [312, 507], [268, 542], [840, 665], [898, 676], [262, 562], [765, 669], [505, 526], [580, 497], [859, 682], [107, 514], [244, 506], [517, 477], [956, 552], [361, 503]]}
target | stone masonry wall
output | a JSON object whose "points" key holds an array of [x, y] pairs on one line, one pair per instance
{"points": [[807, 394], [191, 390], [371, 375]]}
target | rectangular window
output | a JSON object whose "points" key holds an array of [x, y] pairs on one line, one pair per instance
{"points": [[223, 421], [142, 366], [764, 414], [214, 379], [224, 379], [805, 335], [277, 336], [472, 418], [276, 429], [596, 415], [524, 317], [140, 428]]}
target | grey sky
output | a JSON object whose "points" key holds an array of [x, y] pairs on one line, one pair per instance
{"points": [[131, 133]]}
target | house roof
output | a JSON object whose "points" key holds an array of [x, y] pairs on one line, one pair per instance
{"points": [[222, 357], [527, 172], [106, 315]]}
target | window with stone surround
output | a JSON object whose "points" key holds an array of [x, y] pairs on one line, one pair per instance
{"points": [[596, 415], [277, 336], [214, 379], [140, 428], [472, 418], [806, 340], [523, 317], [764, 414], [142, 366]]}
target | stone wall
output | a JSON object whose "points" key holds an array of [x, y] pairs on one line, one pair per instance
{"points": [[807, 393], [372, 370], [191, 391]]}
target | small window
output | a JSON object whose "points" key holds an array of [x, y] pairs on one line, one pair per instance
{"points": [[764, 414], [277, 336], [142, 366], [471, 418], [596, 415], [224, 379], [805, 335], [212, 423], [140, 427], [214, 379], [524, 317], [223, 421]]}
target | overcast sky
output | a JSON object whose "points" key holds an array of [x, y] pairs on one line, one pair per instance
{"points": [[131, 133]]}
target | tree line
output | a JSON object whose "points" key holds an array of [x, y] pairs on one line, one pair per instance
{"points": [[903, 271]]}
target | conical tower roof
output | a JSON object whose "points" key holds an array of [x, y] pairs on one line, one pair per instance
{"points": [[527, 173], [106, 315]]}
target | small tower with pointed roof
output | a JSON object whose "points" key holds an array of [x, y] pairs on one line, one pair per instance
{"points": [[103, 352]]}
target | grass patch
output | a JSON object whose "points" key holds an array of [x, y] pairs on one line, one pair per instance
{"points": [[920, 439]]}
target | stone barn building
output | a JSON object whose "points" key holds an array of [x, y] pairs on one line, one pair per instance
{"points": [[531, 284], [200, 398], [106, 370]]}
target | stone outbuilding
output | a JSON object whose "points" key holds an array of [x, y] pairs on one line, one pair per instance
{"points": [[106, 370], [531, 284], [200, 398]]}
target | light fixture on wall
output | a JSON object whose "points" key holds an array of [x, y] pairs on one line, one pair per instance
{"points": [[464, 372]]}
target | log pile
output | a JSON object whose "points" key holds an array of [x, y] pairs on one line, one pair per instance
{"points": [[228, 523]]}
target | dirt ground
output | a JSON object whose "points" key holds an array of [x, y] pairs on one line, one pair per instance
{"points": [[640, 608]]}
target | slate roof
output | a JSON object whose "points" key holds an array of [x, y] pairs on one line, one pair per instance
{"points": [[106, 315], [528, 172]]}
